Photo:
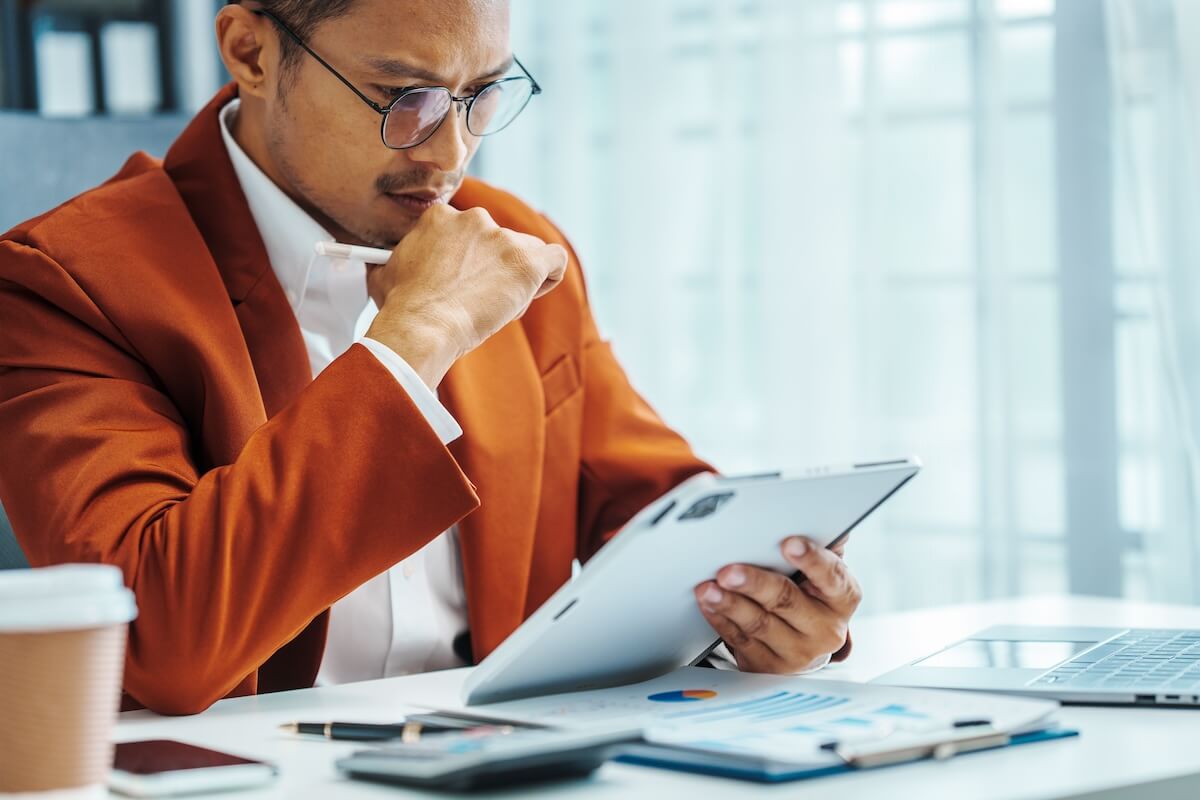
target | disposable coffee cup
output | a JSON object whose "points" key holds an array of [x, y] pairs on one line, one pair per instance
{"points": [[62, 655]]}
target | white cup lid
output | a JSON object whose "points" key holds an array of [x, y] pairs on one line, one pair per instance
{"points": [[66, 597]]}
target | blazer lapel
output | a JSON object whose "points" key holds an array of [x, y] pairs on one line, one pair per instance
{"points": [[199, 166], [495, 394], [203, 174]]}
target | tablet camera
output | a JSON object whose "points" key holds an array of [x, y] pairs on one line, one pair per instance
{"points": [[706, 506]]}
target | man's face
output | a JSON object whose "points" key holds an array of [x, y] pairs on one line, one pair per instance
{"points": [[325, 142]]}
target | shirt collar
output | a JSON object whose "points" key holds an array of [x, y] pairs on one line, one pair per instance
{"points": [[288, 232]]}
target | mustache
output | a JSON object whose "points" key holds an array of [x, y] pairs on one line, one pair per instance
{"points": [[405, 182]]}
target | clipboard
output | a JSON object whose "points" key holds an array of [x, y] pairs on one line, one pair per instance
{"points": [[764, 770], [776, 728]]}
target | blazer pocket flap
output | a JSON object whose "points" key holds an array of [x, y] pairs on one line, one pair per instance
{"points": [[560, 382]]}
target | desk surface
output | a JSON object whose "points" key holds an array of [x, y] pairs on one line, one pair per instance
{"points": [[1157, 750]]}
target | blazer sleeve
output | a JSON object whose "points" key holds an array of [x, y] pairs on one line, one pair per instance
{"points": [[629, 456], [230, 564]]}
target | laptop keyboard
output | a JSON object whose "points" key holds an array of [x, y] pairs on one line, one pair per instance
{"points": [[1138, 660]]}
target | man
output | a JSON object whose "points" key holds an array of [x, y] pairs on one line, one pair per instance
{"points": [[466, 434]]}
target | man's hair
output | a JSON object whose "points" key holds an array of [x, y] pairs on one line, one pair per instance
{"points": [[303, 17]]}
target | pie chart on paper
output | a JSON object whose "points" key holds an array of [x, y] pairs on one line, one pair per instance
{"points": [[682, 696]]}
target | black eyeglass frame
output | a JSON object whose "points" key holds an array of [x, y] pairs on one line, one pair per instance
{"points": [[467, 101]]}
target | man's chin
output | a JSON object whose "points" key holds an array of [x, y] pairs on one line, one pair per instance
{"points": [[383, 231], [392, 220]]}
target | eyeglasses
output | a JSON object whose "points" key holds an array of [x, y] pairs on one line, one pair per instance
{"points": [[416, 113]]}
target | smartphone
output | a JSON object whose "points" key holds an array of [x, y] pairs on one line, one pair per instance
{"points": [[163, 767]]}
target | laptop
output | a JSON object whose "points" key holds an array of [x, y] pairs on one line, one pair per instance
{"points": [[1072, 664]]}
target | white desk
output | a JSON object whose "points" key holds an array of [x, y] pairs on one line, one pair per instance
{"points": [[1155, 750]]}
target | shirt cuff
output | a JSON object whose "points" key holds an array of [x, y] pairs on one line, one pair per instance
{"points": [[443, 424], [722, 658], [820, 664]]}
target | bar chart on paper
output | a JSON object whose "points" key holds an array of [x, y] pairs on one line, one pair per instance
{"points": [[788, 724], [791, 723]]}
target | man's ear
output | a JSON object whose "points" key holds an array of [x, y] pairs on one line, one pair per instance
{"points": [[249, 49]]}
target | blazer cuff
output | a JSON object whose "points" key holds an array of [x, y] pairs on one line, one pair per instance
{"points": [[443, 423]]}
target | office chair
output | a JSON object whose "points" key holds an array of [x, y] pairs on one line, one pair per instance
{"points": [[51, 160]]}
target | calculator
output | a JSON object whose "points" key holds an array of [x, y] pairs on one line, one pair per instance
{"points": [[489, 758]]}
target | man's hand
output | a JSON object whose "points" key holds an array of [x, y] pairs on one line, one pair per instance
{"points": [[773, 624], [452, 282]]}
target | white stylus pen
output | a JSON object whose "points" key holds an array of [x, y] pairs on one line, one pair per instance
{"points": [[368, 255]]}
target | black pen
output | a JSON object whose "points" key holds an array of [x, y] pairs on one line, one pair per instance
{"points": [[410, 730]]}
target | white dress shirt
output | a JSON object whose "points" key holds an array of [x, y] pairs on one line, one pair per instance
{"points": [[404, 620]]}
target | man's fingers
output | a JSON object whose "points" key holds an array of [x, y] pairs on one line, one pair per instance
{"points": [[751, 654], [554, 258], [828, 578], [740, 627], [752, 620], [775, 593], [807, 621], [773, 624], [545, 263], [839, 548], [549, 264]]}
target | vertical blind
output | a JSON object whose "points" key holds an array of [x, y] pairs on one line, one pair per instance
{"points": [[829, 231]]}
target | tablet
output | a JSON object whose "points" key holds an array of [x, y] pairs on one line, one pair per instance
{"points": [[630, 614]]}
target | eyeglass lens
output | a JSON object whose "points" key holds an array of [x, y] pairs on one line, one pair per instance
{"points": [[416, 115]]}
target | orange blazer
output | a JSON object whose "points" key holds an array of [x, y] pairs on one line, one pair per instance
{"points": [[157, 412]]}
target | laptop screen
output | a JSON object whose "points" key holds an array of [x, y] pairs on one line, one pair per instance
{"points": [[1005, 654]]}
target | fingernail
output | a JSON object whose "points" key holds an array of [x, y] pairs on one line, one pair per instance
{"points": [[733, 578], [797, 547], [712, 595]]}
